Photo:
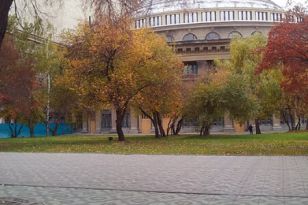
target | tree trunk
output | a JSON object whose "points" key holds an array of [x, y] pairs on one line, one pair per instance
{"points": [[15, 131], [12, 130], [31, 128], [54, 131], [160, 125], [299, 124], [292, 119], [285, 118], [307, 124], [170, 127], [205, 130], [258, 130], [120, 116], [179, 127], [201, 130], [153, 119], [19, 130], [31, 131], [155, 124], [5, 6]]}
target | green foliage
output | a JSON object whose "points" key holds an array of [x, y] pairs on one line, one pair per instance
{"points": [[222, 92], [238, 101], [206, 104], [263, 91]]}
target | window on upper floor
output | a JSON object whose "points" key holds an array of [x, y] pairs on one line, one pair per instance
{"points": [[170, 38], [190, 37], [212, 36], [256, 33], [235, 34], [190, 68]]}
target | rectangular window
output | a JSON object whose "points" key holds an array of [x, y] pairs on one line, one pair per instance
{"points": [[166, 20], [106, 122], [191, 68], [126, 121]]}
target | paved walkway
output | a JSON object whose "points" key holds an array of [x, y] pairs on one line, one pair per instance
{"points": [[87, 179]]}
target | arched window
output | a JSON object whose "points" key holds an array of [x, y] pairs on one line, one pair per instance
{"points": [[170, 38], [212, 36], [190, 37], [235, 34], [256, 33]]}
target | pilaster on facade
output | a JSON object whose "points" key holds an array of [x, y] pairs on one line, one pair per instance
{"points": [[84, 122], [276, 123], [98, 121], [113, 121], [133, 123], [228, 124], [236, 17], [217, 12]]}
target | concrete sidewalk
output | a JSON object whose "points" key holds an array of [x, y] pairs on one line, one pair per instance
{"points": [[142, 179]]}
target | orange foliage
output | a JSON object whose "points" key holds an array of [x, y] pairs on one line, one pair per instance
{"points": [[287, 49]]}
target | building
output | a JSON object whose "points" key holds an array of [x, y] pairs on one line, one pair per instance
{"points": [[201, 31]]}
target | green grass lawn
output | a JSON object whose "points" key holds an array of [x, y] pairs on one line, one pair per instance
{"points": [[266, 144]]}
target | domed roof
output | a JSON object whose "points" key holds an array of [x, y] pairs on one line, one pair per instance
{"points": [[159, 6]]}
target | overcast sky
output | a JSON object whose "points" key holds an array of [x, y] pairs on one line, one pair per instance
{"points": [[71, 13]]}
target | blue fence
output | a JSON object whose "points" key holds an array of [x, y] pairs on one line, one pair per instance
{"points": [[39, 130]]}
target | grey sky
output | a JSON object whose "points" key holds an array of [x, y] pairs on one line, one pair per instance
{"points": [[71, 13]]}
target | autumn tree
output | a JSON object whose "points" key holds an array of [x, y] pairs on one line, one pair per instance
{"points": [[111, 65], [34, 57], [165, 98], [287, 51], [17, 84]]}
